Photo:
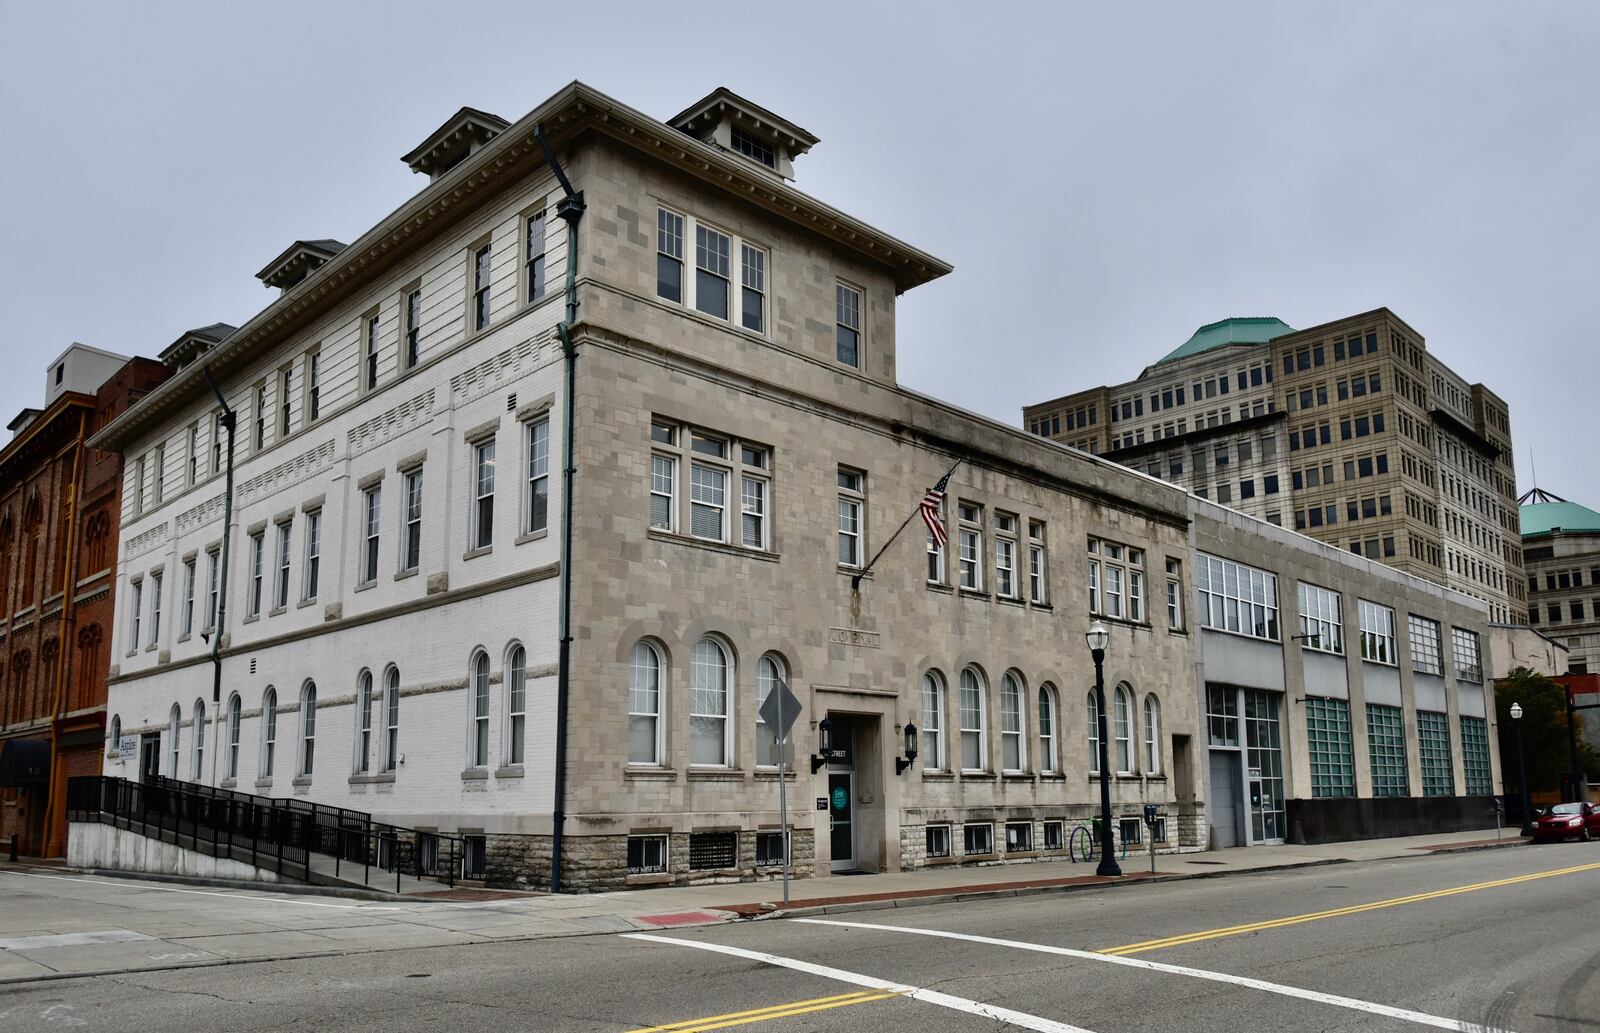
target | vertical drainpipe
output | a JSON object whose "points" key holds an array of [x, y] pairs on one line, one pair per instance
{"points": [[226, 421], [569, 209]]}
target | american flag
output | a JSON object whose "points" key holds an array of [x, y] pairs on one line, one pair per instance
{"points": [[933, 510]]}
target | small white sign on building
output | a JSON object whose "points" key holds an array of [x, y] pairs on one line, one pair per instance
{"points": [[127, 748]]}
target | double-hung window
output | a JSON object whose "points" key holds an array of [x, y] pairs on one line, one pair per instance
{"points": [[847, 319], [669, 255], [192, 459], [260, 438], [480, 287], [285, 381], [974, 750], [411, 306], [280, 585], [1038, 570], [1013, 752], [1005, 555], [711, 250], [969, 544], [258, 548], [1116, 580], [313, 385], [753, 503], [852, 505], [212, 597], [753, 288], [155, 608], [1175, 594], [1377, 633], [186, 610], [933, 757], [135, 613], [369, 344], [371, 512], [708, 489], [482, 515], [533, 255], [411, 529], [313, 561], [536, 491], [663, 480], [935, 552], [216, 443], [1321, 619]]}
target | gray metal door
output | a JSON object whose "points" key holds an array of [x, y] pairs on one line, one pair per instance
{"points": [[1224, 802]]}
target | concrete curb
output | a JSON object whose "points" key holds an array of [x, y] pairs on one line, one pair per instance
{"points": [[292, 888]]}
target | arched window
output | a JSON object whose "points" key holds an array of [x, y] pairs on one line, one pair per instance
{"points": [[1094, 734], [1049, 761], [233, 736], [708, 704], [1122, 711], [769, 674], [363, 721], [391, 717], [197, 754], [174, 727], [644, 705], [308, 728], [1152, 735], [114, 737], [516, 703], [933, 755], [974, 751], [269, 730], [1013, 755], [478, 744]]}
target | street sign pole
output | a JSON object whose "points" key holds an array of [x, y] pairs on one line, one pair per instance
{"points": [[783, 803]]}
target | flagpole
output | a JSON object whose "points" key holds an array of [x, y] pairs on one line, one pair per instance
{"points": [[855, 580]]}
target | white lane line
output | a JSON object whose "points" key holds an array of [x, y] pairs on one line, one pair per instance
{"points": [[1422, 1018], [17, 943], [204, 893], [915, 993]]}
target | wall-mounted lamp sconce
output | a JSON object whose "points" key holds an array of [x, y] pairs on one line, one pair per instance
{"points": [[901, 763], [824, 745]]}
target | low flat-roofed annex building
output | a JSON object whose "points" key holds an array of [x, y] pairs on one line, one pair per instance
{"points": [[392, 631], [1343, 699]]}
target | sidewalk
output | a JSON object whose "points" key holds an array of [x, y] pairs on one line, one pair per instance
{"points": [[929, 885]]}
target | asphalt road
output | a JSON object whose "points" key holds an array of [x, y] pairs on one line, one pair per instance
{"points": [[1505, 939]]}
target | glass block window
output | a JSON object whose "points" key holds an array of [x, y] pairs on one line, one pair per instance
{"points": [[1333, 771], [1425, 645], [1433, 747], [1386, 746], [1475, 756], [1237, 598]]}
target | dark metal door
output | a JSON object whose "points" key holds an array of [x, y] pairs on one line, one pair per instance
{"points": [[841, 834]]}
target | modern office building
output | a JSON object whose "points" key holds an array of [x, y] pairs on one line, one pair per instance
{"points": [[1351, 431], [1561, 546], [59, 515], [540, 492]]}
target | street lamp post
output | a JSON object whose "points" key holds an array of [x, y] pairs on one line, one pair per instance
{"points": [[1522, 770], [1097, 638]]}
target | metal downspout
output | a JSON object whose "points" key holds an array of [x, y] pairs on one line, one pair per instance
{"points": [[226, 421], [570, 209]]}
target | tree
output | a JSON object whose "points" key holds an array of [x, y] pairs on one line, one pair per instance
{"points": [[1544, 732]]}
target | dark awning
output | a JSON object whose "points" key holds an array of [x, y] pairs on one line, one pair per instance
{"points": [[24, 762]]}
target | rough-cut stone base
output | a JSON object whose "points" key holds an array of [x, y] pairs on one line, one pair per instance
{"points": [[594, 864]]}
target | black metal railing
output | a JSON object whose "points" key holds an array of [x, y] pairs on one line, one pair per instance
{"points": [[280, 835]]}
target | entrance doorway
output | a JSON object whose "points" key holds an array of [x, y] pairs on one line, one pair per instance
{"points": [[841, 824], [149, 756], [1225, 792]]}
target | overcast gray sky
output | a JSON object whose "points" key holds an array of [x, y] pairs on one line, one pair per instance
{"points": [[1104, 177]]}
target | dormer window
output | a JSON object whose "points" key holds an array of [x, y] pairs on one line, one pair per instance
{"points": [[754, 148]]}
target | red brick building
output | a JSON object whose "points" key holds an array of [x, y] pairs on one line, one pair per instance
{"points": [[60, 504]]}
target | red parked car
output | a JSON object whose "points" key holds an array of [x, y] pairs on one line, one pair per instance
{"points": [[1580, 821]]}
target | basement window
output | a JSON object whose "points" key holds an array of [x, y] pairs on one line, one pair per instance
{"points": [[647, 855], [1055, 835], [769, 848], [937, 840], [979, 839], [1019, 837], [709, 851], [474, 855], [1132, 831]]}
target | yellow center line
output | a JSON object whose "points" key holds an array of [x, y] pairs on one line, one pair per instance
{"points": [[1355, 909], [777, 1011]]}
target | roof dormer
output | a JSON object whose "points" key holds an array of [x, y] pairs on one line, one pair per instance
{"points": [[728, 121], [297, 262], [195, 343], [462, 134]]}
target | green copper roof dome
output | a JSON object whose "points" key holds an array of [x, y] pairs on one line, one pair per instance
{"points": [[1543, 513], [1238, 330]]}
